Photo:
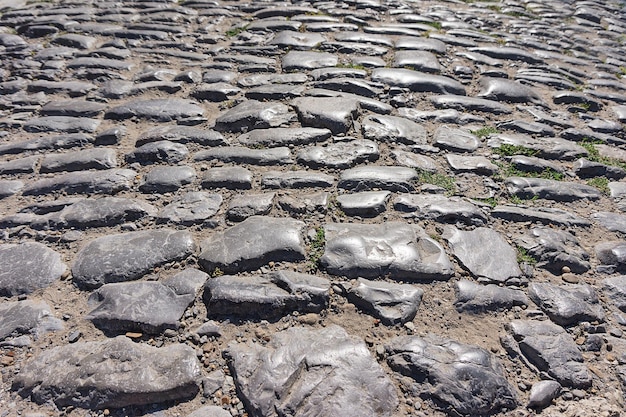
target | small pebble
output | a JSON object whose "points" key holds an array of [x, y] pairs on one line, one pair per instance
{"points": [[570, 278]]}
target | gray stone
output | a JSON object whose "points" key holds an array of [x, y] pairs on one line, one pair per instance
{"points": [[252, 114], [501, 89], [306, 372], [61, 124], [464, 103], [533, 164], [390, 302], [440, 208], [108, 181], [191, 207], [27, 267], [284, 136], [567, 305], [27, 317], [111, 373], [246, 205], [48, 142], [393, 129], [615, 289], [253, 243], [255, 80], [215, 92], [340, 154], [555, 249], [546, 215], [243, 155], [296, 179], [305, 203], [181, 134], [549, 148], [19, 166], [96, 158], [485, 253], [612, 253], [350, 85], [585, 168], [365, 204], [267, 296], [471, 163], [472, 297], [413, 160], [456, 140], [231, 178], [423, 61], [149, 307], [335, 114], [562, 191], [164, 179], [300, 60], [551, 349], [159, 110], [10, 187], [417, 81], [389, 178], [73, 108], [297, 40], [365, 103], [128, 256], [542, 393], [99, 212], [72, 88], [159, 151], [210, 410], [274, 92], [465, 378], [504, 52], [396, 249]]}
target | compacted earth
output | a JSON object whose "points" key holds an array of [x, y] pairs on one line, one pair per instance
{"points": [[312, 208]]}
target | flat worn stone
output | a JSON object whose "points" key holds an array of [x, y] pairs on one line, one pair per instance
{"points": [[48, 142], [20, 165], [27, 317], [546, 215], [275, 92], [61, 124], [471, 163], [551, 349], [210, 410], [548, 148], [215, 92], [181, 134], [393, 129], [615, 289], [266, 296], [297, 40], [440, 208], [253, 243], [305, 203], [149, 307], [369, 250], [109, 181], [474, 298], [159, 151], [465, 378], [111, 373], [128, 256], [273, 378], [504, 52], [612, 253], [297, 179], [339, 155], [417, 81], [27, 267], [533, 164], [191, 207], [99, 212], [335, 114], [159, 110], [423, 61], [252, 114], [456, 140], [10, 187], [164, 179], [96, 158], [485, 253], [364, 204], [390, 178], [300, 60], [555, 249], [277, 137], [390, 302], [500, 89], [227, 177], [246, 205], [542, 393], [464, 103], [550, 189], [585, 168], [72, 108], [612, 221], [243, 155], [567, 305]]}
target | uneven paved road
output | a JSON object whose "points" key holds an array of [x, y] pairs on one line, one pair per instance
{"points": [[337, 208]]}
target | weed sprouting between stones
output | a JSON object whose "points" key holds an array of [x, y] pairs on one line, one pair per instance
{"points": [[524, 257], [316, 249], [601, 183], [506, 149], [485, 131], [440, 180]]}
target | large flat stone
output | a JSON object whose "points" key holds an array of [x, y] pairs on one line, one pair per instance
{"points": [[335, 113], [390, 178], [128, 256], [111, 373], [466, 378], [27, 267], [567, 305], [392, 303], [562, 191], [440, 208], [252, 243], [160, 110], [418, 81], [252, 114], [109, 181], [308, 373], [473, 297], [26, 317], [396, 249], [555, 249]]}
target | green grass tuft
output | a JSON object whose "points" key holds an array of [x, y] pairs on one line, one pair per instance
{"points": [[524, 257], [316, 250], [601, 183], [440, 180], [485, 131], [507, 149]]}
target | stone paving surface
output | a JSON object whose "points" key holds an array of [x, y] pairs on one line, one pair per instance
{"points": [[312, 208]]}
